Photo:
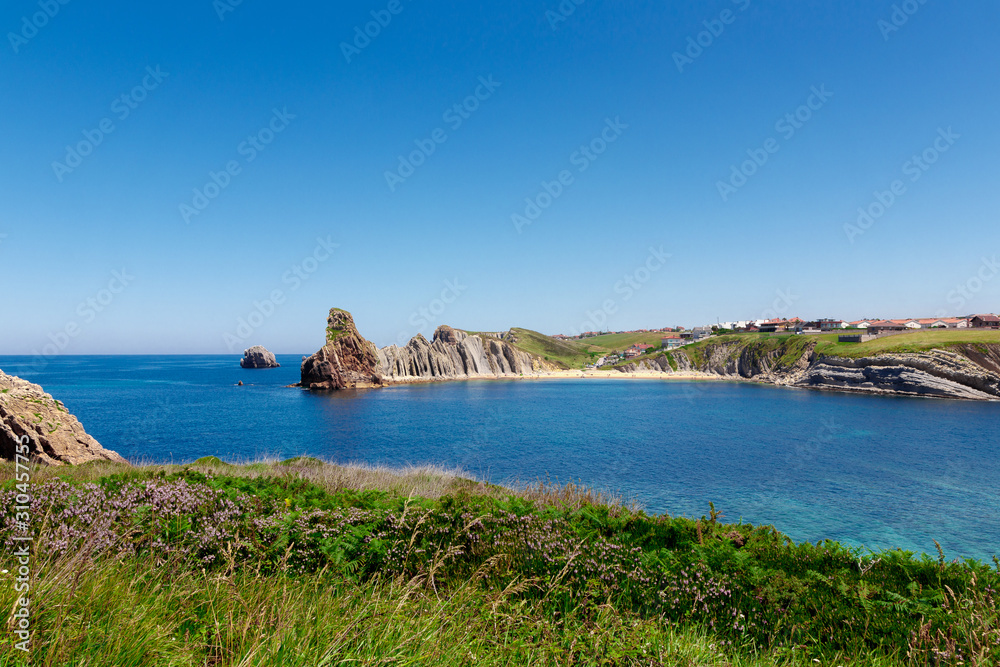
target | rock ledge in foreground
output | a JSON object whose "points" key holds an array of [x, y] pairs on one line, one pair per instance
{"points": [[55, 437]]}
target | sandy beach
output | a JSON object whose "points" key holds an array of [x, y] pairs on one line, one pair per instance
{"points": [[637, 375], [570, 375]]}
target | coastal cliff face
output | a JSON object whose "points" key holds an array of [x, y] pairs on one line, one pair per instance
{"points": [[55, 437], [456, 355], [964, 371], [939, 373], [346, 361], [349, 361]]}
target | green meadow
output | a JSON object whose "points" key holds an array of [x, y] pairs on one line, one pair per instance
{"points": [[306, 563]]}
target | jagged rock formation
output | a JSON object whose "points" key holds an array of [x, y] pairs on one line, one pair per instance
{"points": [[346, 361], [935, 373], [963, 371], [456, 355], [258, 357], [55, 437]]}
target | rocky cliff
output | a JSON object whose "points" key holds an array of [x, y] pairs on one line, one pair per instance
{"points": [[346, 361], [349, 361], [962, 371], [55, 437], [456, 355], [940, 373], [258, 357]]}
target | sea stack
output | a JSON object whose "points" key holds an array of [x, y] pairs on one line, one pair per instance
{"points": [[55, 437], [346, 361], [258, 357]]}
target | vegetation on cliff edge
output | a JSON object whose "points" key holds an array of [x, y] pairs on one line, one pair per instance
{"points": [[304, 563]]}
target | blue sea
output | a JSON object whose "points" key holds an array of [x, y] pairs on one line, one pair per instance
{"points": [[877, 472]]}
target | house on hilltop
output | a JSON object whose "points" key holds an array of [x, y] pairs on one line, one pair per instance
{"points": [[985, 322], [885, 326], [637, 350], [671, 342]]}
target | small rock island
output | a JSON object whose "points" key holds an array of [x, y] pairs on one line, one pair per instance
{"points": [[259, 356]]}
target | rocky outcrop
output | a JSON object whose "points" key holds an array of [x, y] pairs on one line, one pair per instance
{"points": [[937, 373], [346, 361], [258, 357], [55, 437], [456, 355], [962, 371]]}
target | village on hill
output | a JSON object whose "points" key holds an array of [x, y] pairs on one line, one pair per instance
{"points": [[857, 331]]}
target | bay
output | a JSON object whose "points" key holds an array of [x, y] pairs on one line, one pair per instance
{"points": [[878, 472]]}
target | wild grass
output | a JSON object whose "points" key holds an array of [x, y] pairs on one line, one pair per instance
{"points": [[429, 482], [304, 563], [149, 613]]}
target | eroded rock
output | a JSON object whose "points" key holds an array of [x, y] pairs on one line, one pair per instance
{"points": [[258, 357], [456, 355], [55, 437], [346, 361]]}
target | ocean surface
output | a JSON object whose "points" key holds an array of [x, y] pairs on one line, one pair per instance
{"points": [[868, 471]]}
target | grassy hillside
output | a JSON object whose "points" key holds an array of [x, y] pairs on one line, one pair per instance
{"points": [[792, 346], [568, 353], [609, 342], [576, 354], [919, 341], [303, 563]]}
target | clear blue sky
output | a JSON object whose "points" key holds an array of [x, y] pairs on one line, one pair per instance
{"points": [[555, 86]]}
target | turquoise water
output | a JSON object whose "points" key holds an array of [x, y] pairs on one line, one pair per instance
{"points": [[874, 471]]}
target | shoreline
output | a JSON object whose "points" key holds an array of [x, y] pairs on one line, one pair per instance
{"points": [[677, 376], [569, 375]]}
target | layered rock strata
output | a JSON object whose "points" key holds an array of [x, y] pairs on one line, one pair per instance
{"points": [[964, 372], [456, 355], [346, 361], [349, 361]]}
